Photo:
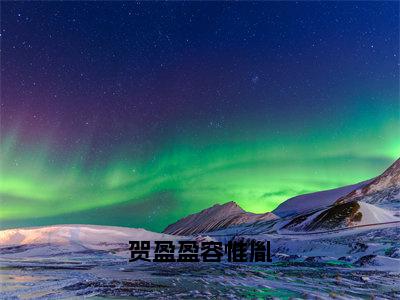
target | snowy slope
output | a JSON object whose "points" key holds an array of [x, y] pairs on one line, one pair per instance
{"points": [[306, 202], [373, 214], [383, 191], [77, 237], [214, 218], [342, 215]]}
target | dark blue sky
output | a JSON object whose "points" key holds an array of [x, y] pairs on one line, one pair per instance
{"points": [[196, 62]]}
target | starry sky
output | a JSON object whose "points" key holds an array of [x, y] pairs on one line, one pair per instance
{"points": [[137, 114]]}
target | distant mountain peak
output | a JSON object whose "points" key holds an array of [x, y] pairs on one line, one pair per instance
{"points": [[227, 208], [231, 205], [218, 216]]}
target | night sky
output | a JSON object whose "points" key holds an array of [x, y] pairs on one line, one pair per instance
{"points": [[137, 114]]}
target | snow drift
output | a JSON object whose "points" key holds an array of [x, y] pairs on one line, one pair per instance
{"points": [[342, 215], [78, 236], [307, 202]]}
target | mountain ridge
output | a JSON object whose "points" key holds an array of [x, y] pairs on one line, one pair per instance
{"points": [[341, 207], [218, 216], [315, 200], [382, 191]]}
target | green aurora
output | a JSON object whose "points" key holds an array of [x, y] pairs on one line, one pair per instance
{"points": [[258, 173]]}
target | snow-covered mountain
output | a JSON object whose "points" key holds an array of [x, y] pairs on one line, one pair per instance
{"points": [[367, 202], [312, 201], [343, 215], [372, 202], [215, 218], [383, 191]]}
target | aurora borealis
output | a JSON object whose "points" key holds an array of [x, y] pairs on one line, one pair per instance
{"points": [[137, 114]]}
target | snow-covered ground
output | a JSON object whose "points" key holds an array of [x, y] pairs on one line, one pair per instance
{"points": [[80, 260], [59, 239]]}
